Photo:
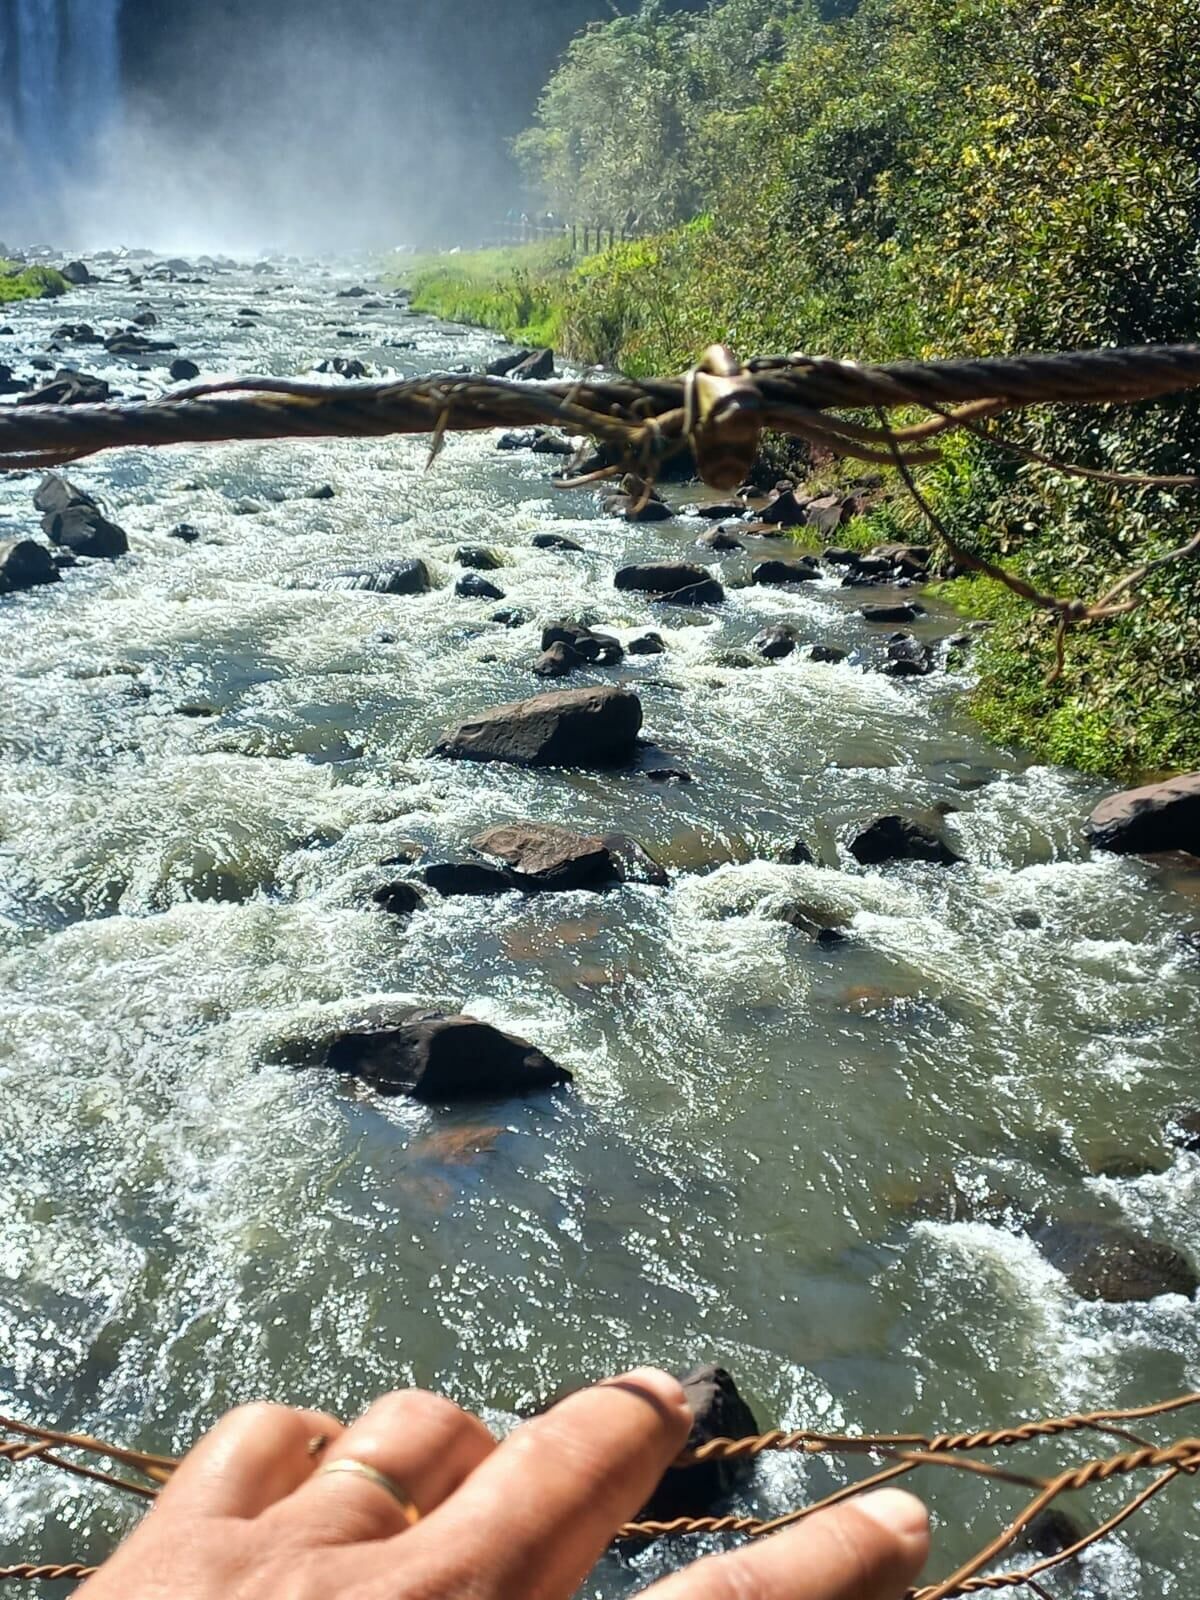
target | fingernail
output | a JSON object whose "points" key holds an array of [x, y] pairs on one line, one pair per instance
{"points": [[897, 1511], [660, 1386]]}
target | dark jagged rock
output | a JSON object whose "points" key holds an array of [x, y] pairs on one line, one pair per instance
{"points": [[1158, 817], [77, 273], [660, 577], [786, 510], [798, 854], [828, 653], [24, 564], [69, 389], [136, 344], [73, 520], [647, 644], [348, 367], [502, 366], [437, 1058], [76, 333], [384, 577], [355, 293], [706, 593], [554, 541], [510, 617], [524, 366], [398, 899], [778, 642], [182, 370], [184, 532], [9, 384], [827, 513], [548, 857], [897, 838], [1102, 1261], [478, 557], [908, 658], [718, 1412], [567, 727], [601, 649], [469, 878], [893, 614], [719, 539], [558, 660], [786, 572], [474, 586]]}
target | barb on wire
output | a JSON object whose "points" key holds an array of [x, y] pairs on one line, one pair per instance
{"points": [[901, 1453]]}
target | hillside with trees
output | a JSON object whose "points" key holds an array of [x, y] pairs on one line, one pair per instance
{"points": [[917, 178]]}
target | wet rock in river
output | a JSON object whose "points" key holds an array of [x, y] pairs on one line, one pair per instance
{"points": [[1104, 1261], [478, 557], [566, 727], [76, 272], [785, 509], [647, 644], [798, 854], [908, 658], [636, 501], [76, 333], [599, 648], [8, 383], [182, 370], [778, 642], [399, 899], [1158, 817], [898, 613], [473, 878], [1052, 1532], [897, 838], [821, 926], [719, 539], [474, 586], [510, 617], [73, 520], [136, 344], [660, 577], [545, 857], [554, 541], [1184, 1130], [348, 367], [321, 491], [69, 389], [184, 532], [384, 577], [24, 564], [558, 661], [437, 1058], [706, 593], [780, 572], [718, 1412], [829, 653]]}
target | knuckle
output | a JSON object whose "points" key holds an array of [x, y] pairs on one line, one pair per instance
{"points": [[434, 1415]]}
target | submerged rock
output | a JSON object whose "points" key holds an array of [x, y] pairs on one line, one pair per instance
{"points": [[567, 727], [828, 653], [647, 644], [554, 541], [777, 642], [898, 613], [399, 899], [718, 1412], [474, 586], [69, 389], [719, 539], [24, 564], [1103, 1261], [434, 1057], [1158, 817], [896, 838]]}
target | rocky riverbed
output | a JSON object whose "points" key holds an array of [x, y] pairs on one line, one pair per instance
{"points": [[847, 1060]]}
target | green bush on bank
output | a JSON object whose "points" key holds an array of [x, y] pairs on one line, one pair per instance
{"points": [[30, 283]]}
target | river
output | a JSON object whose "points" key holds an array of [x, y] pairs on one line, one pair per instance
{"points": [[203, 764]]}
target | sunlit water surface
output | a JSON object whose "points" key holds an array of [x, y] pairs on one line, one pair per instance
{"points": [[203, 765]]}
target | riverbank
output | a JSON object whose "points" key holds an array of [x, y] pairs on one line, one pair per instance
{"points": [[1128, 702], [29, 283]]}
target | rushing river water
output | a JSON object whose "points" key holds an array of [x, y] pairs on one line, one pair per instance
{"points": [[202, 766]]}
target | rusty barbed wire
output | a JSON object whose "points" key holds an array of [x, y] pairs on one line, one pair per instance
{"points": [[903, 1453]]}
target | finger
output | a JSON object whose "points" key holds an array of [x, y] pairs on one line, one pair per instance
{"points": [[868, 1549], [253, 1457], [422, 1445], [533, 1519]]}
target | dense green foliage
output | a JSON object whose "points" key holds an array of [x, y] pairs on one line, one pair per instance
{"points": [[925, 177], [30, 283]]}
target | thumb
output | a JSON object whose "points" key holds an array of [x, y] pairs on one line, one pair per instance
{"points": [[868, 1549]]}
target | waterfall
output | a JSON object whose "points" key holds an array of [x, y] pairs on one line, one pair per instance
{"points": [[60, 94]]}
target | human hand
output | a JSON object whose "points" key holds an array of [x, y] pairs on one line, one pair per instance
{"points": [[254, 1512]]}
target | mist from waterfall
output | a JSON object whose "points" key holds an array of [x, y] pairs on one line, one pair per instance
{"points": [[60, 102]]}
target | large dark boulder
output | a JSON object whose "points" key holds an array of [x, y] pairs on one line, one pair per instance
{"points": [[1159, 817], [69, 389], [24, 564], [433, 1057], [545, 857], [77, 273], [558, 660], [660, 577], [384, 577], [474, 586], [567, 727], [718, 1412], [182, 370], [786, 572], [473, 878], [707, 593], [534, 366], [1103, 1261], [908, 657], [73, 520], [399, 899], [897, 838]]}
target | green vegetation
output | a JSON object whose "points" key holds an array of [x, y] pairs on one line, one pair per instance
{"points": [[30, 283], [914, 178]]}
